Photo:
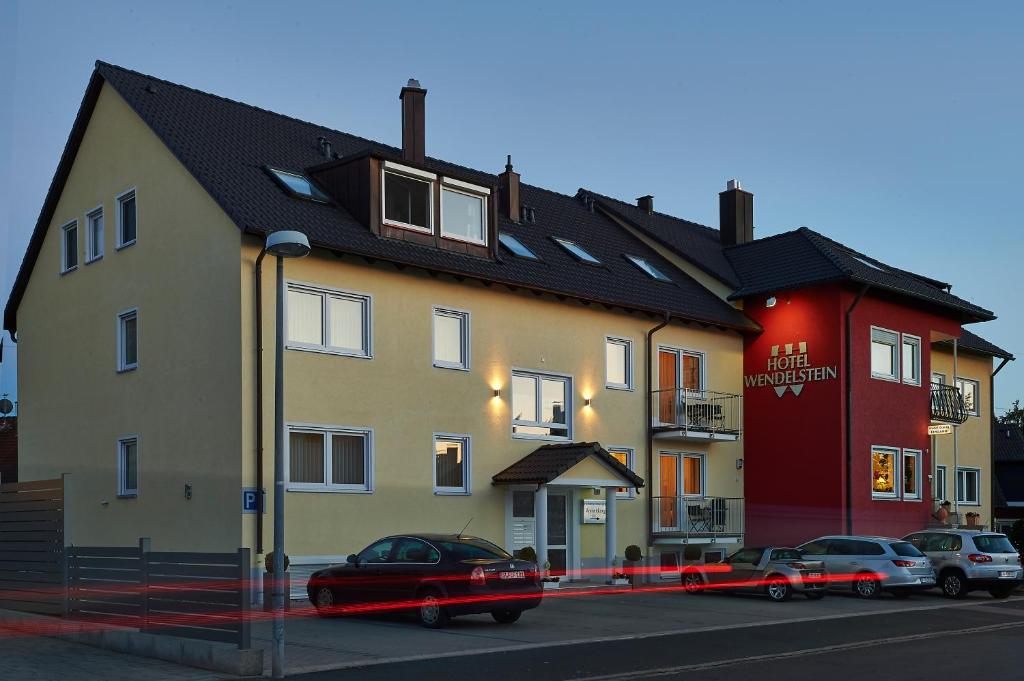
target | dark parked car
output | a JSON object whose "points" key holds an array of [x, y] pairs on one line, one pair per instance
{"points": [[437, 575], [777, 572]]}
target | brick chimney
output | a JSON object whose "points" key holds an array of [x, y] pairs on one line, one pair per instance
{"points": [[508, 192], [736, 215], [413, 121], [645, 203]]}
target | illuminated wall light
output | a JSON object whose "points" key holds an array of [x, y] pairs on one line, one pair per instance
{"points": [[587, 401], [770, 302], [497, 392]]}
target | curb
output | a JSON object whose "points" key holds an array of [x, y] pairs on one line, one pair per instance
{"points": [[184, 651]]}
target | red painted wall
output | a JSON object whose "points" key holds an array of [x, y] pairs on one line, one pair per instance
{"points": [[795, 444]]}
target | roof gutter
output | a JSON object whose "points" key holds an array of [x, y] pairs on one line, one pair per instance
{"points": [[649, 463], [849, 409]]}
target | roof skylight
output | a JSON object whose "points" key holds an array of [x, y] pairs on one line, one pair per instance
{"points": [[576, 250], [864, 261], [516, 246], [298, 185], [644, 264]]}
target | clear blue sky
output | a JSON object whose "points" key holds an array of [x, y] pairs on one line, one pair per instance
{"points": [[894, 128]]}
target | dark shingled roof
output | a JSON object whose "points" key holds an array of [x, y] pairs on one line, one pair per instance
{"points": [[225, 144], [803, 257], [698, 244], [974, 343], [548, 462], [1007, 443]]}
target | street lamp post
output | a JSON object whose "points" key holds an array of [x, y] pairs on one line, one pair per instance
{"points": [[283, 244]]}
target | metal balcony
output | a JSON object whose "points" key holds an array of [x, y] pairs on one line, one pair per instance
{"points": [[696, 415], [684, 517], [947, 404]]}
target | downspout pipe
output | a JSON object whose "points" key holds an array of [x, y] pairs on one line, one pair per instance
{"points": [[649, 464], [849, 408], [258, 276]]}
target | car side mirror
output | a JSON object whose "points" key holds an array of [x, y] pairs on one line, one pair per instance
{"points": [[353, 558]]}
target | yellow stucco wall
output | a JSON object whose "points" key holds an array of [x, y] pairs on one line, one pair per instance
{"points": [[974, 438], [405, 400], [183, 401]]}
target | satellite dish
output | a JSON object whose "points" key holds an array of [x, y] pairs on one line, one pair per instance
{"points": [[6, 407]]}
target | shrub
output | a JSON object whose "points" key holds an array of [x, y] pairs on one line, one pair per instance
{"points": [[269, 562], [526, 553], [633, 553]]}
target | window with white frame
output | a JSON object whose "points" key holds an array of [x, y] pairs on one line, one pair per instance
{"points": [[938, 378], [69, 247], [939, 488], [969, 393], [911, 474], [541, 405], [624, 455], [408, 197], [326, 320], [884, 472], [451, 339], [94, 235], [325, 458], [968, 486], [128, 467], [464, 211], [451, 464], [885, 359], [911, 359], [127, 218], [128, 340], [618, 363]]}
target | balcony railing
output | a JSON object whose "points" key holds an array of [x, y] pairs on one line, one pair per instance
{"points": [[702, 413], [685, 516], [947, 404]]}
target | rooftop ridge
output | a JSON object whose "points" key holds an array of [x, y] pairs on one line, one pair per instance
{"points": [[656, 212]]}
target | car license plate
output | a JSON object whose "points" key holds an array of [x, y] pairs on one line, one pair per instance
{"points": [[512, 574], [814, 575], [1008, 573]]}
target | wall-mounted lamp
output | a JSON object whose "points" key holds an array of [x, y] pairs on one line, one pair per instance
{"points": [[739, 464], [587, 401], [770, 302], [497, 392]]}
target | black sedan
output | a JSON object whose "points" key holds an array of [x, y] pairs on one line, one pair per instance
{"points": [[437, 575]]}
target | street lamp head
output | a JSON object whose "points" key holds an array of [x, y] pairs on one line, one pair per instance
{"points": [[288, 244]]}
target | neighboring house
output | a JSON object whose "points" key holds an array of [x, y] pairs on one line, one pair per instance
{"points": [[8, 449], [1008, 481], [461, 347], [962, 460]]}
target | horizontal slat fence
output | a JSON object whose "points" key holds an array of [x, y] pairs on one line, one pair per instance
{"points": [[195, 595], [32, 546]]}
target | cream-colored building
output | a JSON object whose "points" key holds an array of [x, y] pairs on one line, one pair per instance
{"points": [[427, 351]]}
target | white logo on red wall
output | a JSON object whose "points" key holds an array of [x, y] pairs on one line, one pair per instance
{"points": [[789, 368]]}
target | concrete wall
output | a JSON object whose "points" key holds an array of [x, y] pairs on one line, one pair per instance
{"points": [[183, 401], [405, 400], [974, 438]]}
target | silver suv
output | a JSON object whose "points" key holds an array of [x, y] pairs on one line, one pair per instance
{"points": [[869, 565], [971, 559]]}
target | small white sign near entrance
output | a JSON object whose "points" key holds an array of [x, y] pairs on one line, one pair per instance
{"points": [[593, 512], [940, 429]]}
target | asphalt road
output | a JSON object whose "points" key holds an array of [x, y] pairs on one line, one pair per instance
{"points": [[981, 640]]}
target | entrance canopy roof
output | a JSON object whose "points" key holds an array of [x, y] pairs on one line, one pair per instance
{"points": [[580, 464]]}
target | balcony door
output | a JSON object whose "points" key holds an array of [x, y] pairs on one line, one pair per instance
{"points": [[678, 370], [680, 477]]}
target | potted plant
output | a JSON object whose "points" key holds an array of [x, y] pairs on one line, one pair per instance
{"points": [[633, 560], [547, 579], [268, 581], [619, 576], [972, 519]]}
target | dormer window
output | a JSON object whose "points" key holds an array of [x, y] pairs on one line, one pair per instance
{"points": [[464, 211], [576, 251], [408, 197], [298, 186]]}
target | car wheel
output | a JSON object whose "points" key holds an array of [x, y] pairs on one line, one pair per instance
{"points": [[693, 583], [1001, 592], [954, 585], [506, 616], [325, 602], [867, 586], [431, 612], [815, 595], [779, 589]]}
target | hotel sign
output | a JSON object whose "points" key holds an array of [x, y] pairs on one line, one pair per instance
{"points": [[789, 368], [940, 429], [593, 512]]}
